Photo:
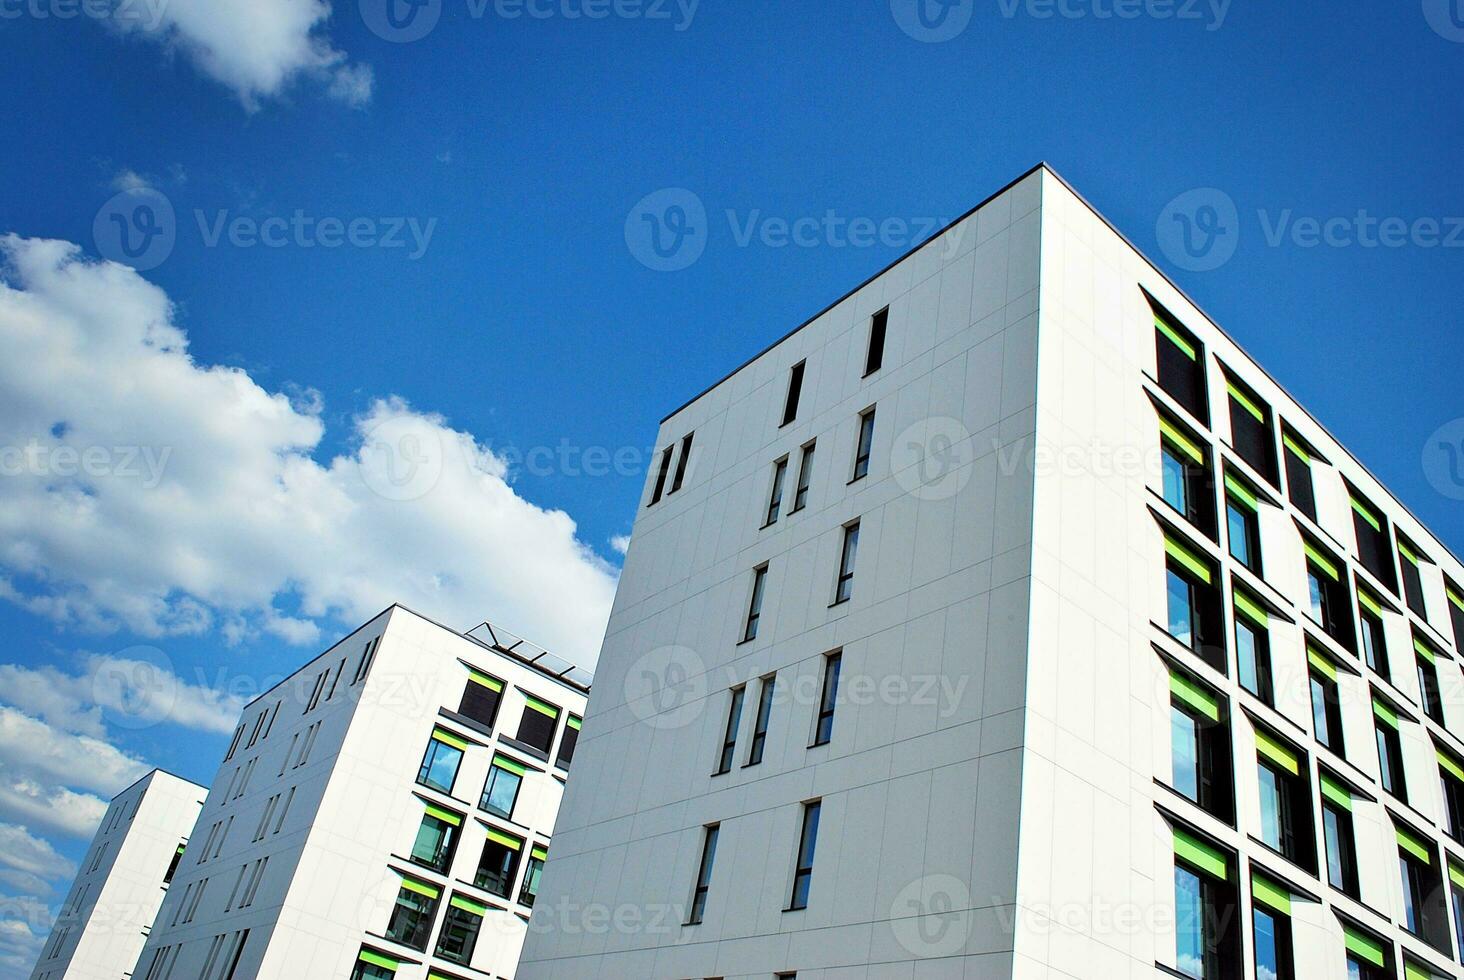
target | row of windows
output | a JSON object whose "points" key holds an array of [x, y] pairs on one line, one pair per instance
{"points": [[843, 583], [802, 864], [224, 953], [823, 731]]}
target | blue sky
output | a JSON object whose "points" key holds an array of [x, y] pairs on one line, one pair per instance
{"points": [[527, 324]]}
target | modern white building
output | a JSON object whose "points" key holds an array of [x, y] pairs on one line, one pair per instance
{"points": [[127, 871], [1007, 620], [384, 812]]}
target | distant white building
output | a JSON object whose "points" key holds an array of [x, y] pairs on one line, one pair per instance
{"points": [[1008, 620], [384, 812], [126, 873]]}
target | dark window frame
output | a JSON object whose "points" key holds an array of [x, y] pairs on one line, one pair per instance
{"points": [[795, 392], [807, 847], [823, 729], [874, 352]]}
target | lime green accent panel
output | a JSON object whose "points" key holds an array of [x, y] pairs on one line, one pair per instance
{"points": [[1296, 447], [1414, 845], [1245, 401], [1364, 946], [1412, 971], [468, 905], [478, 677], [575, 722], [1385, 714], [376, 959], [1191, 561], [446, 816], [1242, 493], [1370, 603], [1195, 696], [540, 706], [504, 762], [1270, 894], [182, 848], [507, 840], [1407, 552], [1365, 512], [1456, 874], [1185, 347], [1450, 765], [1321, 560], [1201, 855], [448, 738], [1322, 663], [1252, 609], [1277, 752], [1181, 441], [1424, 650], [421, 887], [1454, 596], [539, 854], [1336, 792]]}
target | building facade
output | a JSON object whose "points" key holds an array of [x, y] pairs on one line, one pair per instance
{"points": [[127, 871], [384, 812], [1007, 620]]}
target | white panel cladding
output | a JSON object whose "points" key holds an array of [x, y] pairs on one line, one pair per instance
{"points": [[337, 860], [121, 881], [928, 730]]}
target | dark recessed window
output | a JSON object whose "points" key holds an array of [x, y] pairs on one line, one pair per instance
{"points": [[1456, 612], [760, 724], [662, 473], [1253, 647], [805, 478], [866, 445], [729, 736], [498, 867], [1271, 925], [1251, 432], [1428, 680], [844, 587], [1195, 608], [1181, 363], [412, 915], [1207, 937], [1299, 475], [1368, 958], [1390, 749], [807, 843], [1326, 699], [1374, 643], [460, 928], [569, 741], [795, 392], [1412, 579], [704, 875], [754, 605], [828, 698], [481, 698], [370, 966], [1425, 911], [1340, 835], [682, 463], [1189, 482], [529, 893], [539, 723], [1200, 747], [1328, 598], [1286, 808], [775, 496], [437, 839], [874, 358], [1451, 774], [1374, 549], [1243, 522]]}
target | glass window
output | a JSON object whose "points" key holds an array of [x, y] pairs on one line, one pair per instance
{"points": [[1175, 485], [1189, 486], [663, 473], [874, 357], [1456, 903], [1181, 363], [539, 723], [530, 891], [460, 928], [1374, 646], [500, 792], [1326, 702], [795, 392], [808, 841], [1328, 595], [775, 497], [1251, 431], [1243, 526], [1338, 831], [805, 477], [481, 698], [372, 966], [1253, 647], [1185, 740], [412, 916], [569, 742], [498, 867], [866, 445], [440, 764], [729, 738], [1196, 614], [436, 840], [1451, 774], [760, 725], [1285, 798], [844, 589], [1428, 681], [704, 874], [1390, 750], [1200, 746], [1299, 475], [1207, 925], [1191, 927], [1412, 579], [682, 463], [1273, 944], [754, 606], [1456, 612], [1374, 546], [824, 729]]}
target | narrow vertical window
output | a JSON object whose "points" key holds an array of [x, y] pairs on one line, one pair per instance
{"points": [[1456, 903], [1253, 646], [704, 875], [1451, 775], [844, 588], [1412, 579], [413, 914], [1374, 545], [1456, 612], [1271, 924], [1328, 596], [795, 392], [760, 724], [754, 605], [1181, 363], [661, 474], [805, 478], [1374, 642], [1428, 680], [501, 790], [1206, 944], [1299, 474], [436, 839], [529, 893], [866, 445], [1390, 749], [1340, 836], [1326, 700], [1188, 485], [824, 728], [1425, 913], [729, 737], [1250, 429], [1243, 522], [440, 763], [807, 843], [569, 741], [682, 463], [460, 928], [874, 357], [1286, 814], [775, 496], [1200, 747], [1196, 613], [1367, 956], [498, 865]]}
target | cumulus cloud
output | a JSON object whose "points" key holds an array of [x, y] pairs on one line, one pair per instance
{"points": [[24, 924], [255, 47], [148, 491], [23, 852], [621, 543]]}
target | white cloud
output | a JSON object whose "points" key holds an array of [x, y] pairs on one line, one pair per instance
{"points": [[130, 180], [205, 507], [24, 925], [621, 543], [255, 47], [32, 751], [20, 851]]}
